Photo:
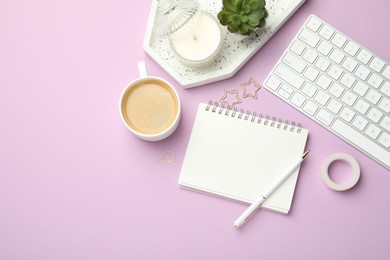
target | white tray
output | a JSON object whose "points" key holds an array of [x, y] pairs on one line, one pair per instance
{"points": [[234, 53]]}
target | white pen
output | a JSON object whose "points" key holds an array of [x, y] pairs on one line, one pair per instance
{"points": [[256, 205]]}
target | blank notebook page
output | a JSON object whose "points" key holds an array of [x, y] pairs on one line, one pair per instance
{"points": [[237, 156]]}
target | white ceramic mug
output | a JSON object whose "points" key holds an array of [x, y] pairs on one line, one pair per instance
{"points": [[150, 106]]}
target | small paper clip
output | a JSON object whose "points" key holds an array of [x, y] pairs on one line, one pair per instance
{"points": [[250, 84], [167, 157], [229, 103]]}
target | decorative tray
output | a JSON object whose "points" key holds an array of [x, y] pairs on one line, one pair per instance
{"points": [[234, 52]]}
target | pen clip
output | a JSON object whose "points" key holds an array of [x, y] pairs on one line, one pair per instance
{"points": [[254, 211], [305, 154]]}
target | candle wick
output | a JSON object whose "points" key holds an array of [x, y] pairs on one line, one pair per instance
{"points": [[194, 37]]}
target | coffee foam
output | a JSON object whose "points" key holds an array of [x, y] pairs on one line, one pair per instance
{"points": [[150, 107]]}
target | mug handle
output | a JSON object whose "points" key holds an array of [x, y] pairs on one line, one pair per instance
{"points": [[143, 72]]}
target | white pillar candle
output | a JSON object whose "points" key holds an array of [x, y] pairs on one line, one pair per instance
{"points": [[199, 42]]}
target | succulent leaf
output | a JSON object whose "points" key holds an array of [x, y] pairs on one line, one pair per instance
{"points": [[236, 20], [245, 3], [239, 4], [265, 13], [261, 23], [244, 19], [256, 15], [225, 17], [232, 29], [256, 4], [229, 5], [245, 29], [253, 21], [246, 9]]}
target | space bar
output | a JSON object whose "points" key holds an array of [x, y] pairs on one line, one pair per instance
{"points": [[363, 142]]}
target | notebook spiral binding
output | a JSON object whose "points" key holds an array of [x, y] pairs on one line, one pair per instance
{"points": [[215, 107]]}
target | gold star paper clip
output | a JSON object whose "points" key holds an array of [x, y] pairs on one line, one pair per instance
{"points": [[230, 98], [251, 84], [167, 157]]}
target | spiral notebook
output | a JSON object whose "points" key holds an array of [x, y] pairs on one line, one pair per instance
{"points": [[237, 155]]}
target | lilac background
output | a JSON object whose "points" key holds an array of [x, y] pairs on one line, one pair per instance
{"points": [[75, 184]]}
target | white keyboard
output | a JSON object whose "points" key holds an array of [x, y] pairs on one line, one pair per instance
{"points": [[338, 83]]}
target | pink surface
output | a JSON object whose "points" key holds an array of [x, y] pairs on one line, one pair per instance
{"points": [[75, 184]]}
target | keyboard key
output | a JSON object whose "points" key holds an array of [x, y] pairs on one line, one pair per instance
{"points": [[336, 90], [310, 55], [322, 63], [386, 72], [377, 64], [311, 73], [297, 47], [373, 96], [384, 139], [313, 23], [347, 80], [386, 88], [339, 40], [362, 72], [324, 82], [362, 106], [351, 48], [290, 77], [287, 88], [273, 83], [325, 117], [385, 105], [294, 62], [349, 98], [349, 64], [360, 123], [385, 123], [283, 93], [298, 99], [364, 56], [375, 115], [310, 107], [309, 38], [335, 72], [360, 88], [375, 80], [334, 106], [321, 98], [326, 32], [309, 90], [347, 114], [373, 131], [337, 56], [324, 48]]}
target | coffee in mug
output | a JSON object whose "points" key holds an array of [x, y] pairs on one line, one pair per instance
{"points": [[150, 107]]}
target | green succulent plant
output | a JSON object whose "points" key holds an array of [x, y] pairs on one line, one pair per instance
{"points": [[243, 16]]}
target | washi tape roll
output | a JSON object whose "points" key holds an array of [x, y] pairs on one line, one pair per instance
{"points": [[340, 186]]}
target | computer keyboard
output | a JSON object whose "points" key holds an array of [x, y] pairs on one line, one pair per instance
{"points": [[338, 83]]}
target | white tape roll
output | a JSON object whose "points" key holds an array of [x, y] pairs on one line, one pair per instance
{"points": [[342, 186]]}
